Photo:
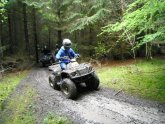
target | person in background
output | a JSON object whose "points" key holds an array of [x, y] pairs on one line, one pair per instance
{"points": [[56, 49], [65, 53], [45, 50], [55, 52]]}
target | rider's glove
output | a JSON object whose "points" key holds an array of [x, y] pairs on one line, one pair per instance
{"points": [[78, 55], [65, 57]]}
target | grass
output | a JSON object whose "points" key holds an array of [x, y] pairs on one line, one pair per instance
{"points": [[54, 119], [8, 84], [19, 108], [143, 78]]}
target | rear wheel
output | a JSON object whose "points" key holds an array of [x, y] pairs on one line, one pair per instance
{"points": [[53, 83], [43, 64], [69, 89], [93, 82], [51, 62]]}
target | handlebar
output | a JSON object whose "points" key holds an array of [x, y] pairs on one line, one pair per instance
{"points": [[64, 58], [67, 57]]}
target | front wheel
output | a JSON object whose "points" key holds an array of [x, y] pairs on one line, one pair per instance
{"points": [[93, 82], [53, 83], [69, 89]]}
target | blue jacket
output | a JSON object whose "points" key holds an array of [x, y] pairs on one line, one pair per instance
{"points": [[62, 52]]}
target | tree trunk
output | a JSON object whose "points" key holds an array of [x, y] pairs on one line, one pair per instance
{"points": [[59, 37], [133, 43], [1, 50], [90, 41], [10, 32], [26, 28], [148, 51], [35, 33], [123, 6], [15, 31], [49, 41], [59, 32]]}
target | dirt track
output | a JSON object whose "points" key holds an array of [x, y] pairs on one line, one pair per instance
{"points": [[99, 107]]}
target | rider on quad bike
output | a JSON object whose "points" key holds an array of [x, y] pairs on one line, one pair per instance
{"points": [[68, 74], [46, 57], [64, 53]]}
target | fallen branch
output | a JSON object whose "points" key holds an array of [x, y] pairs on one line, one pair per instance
{"points": [[118, 92], [1, 72], [8, 69]]}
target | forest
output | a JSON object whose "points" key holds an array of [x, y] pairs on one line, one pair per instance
{"points": [[99, 29], [118, 77]]}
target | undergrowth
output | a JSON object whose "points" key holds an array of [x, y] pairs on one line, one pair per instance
{"points": [[143, 78]]}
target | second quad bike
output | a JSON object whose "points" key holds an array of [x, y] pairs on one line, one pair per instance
{"points": [[67, 80], [46, 58]]}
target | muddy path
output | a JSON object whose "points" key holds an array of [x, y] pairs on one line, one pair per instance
{"points": [[104, 106]]}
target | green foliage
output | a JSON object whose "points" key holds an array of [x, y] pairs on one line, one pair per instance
{"points": [[81, 23], [91, 12], [101, 49], [36, 3], [53, 13], [70, 15], [54, 119], [75, 47], [3, 48], [144, 78], [3, 4], [142, 17], [111, 49]]}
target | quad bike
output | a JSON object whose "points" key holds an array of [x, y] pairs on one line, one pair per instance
{"points": [[46, 58], [67, 80]]}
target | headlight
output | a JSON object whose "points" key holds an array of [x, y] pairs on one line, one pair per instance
{"points": [[90, 68], [73, 74]]}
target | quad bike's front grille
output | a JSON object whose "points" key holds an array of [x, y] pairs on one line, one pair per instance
{"points": [[83, 71], [82, 78]]}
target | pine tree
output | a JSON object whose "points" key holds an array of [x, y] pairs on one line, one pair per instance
{"points": [[87, 13], [145, 20]]}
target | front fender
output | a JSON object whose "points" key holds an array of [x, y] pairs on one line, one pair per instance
{"points": [[65, 74]]}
